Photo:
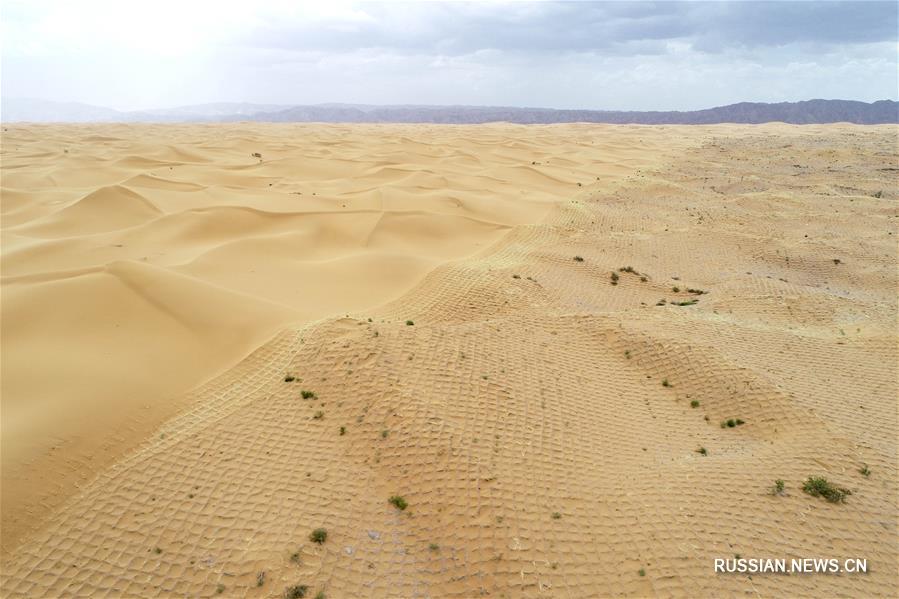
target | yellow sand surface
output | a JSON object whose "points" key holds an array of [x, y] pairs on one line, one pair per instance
{"points": [[556, 430]]}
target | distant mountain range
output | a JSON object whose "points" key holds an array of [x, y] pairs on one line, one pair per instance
{"points": [[802, 113]]}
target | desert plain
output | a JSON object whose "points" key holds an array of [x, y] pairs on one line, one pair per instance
{"points": [[581, 354]]}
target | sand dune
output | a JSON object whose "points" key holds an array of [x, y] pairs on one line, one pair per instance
{"points": [[545, 425], [139, 261]]}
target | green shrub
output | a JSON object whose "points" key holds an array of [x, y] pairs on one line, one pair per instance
{"points": [[818, 486], [398, 502], [297, 591], [319, 535], [778, 488], [308, 394], [409, 323]]}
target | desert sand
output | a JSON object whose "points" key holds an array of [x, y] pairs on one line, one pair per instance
{"points": [[533, 334]]}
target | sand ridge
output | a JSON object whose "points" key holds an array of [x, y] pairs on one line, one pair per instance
{"points": [[524, 417]]}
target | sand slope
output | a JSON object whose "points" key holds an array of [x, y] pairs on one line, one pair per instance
{"points": [[528, 386]]}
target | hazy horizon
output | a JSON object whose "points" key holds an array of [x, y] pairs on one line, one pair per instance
{"points": [[597, 56]]}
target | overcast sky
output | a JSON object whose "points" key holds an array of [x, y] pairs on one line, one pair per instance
{"points": [[605, 55]]}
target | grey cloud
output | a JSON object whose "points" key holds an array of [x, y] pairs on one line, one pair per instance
{"points": [[459, 28]]}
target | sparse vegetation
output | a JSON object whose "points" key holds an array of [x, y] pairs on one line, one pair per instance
{"points": [[629, 269], [289, 378], [219, 589], [694, 404], [320, 595], [675, 289], [778, 488], [385, 433], [434, 547], [661, 302], [256, 155], [614, 278], [516, 276], [308, 394], [696, 291], [641, 572], [319, 535], [318, 415], [556, 515], [702, 451], [260, 579], [665, 383], [409, 323], [643, 279], [627, 354], [157, 550], [864, 470], [818, 486], [578, 259], [297, 591], [295, 557], [342, 431], [398, 502], [686, 303]]}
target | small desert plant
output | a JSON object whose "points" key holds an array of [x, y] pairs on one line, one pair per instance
{"points": [[516, 276], [434, 547], [295, 557], [219, 589], [686, 303], [778, 488], [385, 433], [256, 155], [641, 572], [864, 470], [696, 291], [157, 550], [629, 269], [398, 502], [578, 259], [260, 579], [665, 383], [818, 486], [289, 378], [318, 415], [342, 431], [627, 354], [297, 591], [308, 394], [643, 279], [694, 404], [731, 423], [319, 535], [661, 302], [879, 194], [320, 595], [409, 323], [675, 289], [614, 278], [556, 515], [702, 451]]}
